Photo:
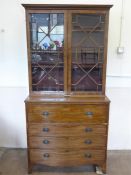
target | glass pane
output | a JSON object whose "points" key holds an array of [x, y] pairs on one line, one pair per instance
{"points": [[47, 53], [87, 52]]}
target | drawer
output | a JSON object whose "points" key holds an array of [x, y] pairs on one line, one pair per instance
{"points": [[67, 142], [65, 109], [66, 158], [65, 129], [67, 113], [58, 118]]}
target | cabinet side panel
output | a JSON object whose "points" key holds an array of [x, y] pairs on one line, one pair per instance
{"points": [[105, 50], [28, 50]]}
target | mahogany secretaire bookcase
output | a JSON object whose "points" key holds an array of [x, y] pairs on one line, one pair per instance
{"points": [[67, 110]]}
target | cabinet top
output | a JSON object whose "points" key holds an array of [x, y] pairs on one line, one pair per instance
{"points": [[67, 100], [66, 6]]}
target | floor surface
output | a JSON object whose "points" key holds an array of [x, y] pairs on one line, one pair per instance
{"points": [[14, 162]]}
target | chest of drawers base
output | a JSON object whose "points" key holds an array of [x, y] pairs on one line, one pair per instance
{"points": [[61, 134]]}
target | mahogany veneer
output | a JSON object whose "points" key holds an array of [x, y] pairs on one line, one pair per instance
{"points": [[67, 111]]}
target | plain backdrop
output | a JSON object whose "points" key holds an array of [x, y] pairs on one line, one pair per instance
{"points": [[14, 73]]}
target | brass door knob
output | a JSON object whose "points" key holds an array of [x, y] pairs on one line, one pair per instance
{"points": [[89, 114], [46, 141], [45, 129], [88, 142], [88, 130], [46, 155], [88, 155], [45, 113]]}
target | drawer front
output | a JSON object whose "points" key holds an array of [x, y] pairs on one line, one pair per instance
{"points": [[38, 118], [67, 142], [70, 112], [66, 158], [65, 129], [96, 108]]}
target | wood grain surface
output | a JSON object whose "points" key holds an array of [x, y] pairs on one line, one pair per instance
{"points": [[66, 129], [75, 142], [63, 158]]}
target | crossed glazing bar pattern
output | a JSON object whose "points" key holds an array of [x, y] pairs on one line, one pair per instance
{"points": [[47, 43], [87, 52]]}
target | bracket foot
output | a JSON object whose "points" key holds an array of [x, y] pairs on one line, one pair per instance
{"points": [[99, 171]]}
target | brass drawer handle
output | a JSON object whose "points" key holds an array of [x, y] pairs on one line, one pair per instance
{"points": [[46, 141], [46, 155], [88, 155], [45, 113], [45, 129], [89, 114], [88, 130], [88, 142]]}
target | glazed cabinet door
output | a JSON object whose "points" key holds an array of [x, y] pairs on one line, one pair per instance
{"points": [[47, 51], [87, 49]]}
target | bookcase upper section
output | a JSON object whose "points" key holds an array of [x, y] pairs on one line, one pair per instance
{"points": [[67, 48]]}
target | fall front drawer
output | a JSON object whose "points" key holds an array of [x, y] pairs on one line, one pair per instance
{"points": [[65, 109], [67, 142], [68, 113], [66, 129], [65, 157], [74, 117]]}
